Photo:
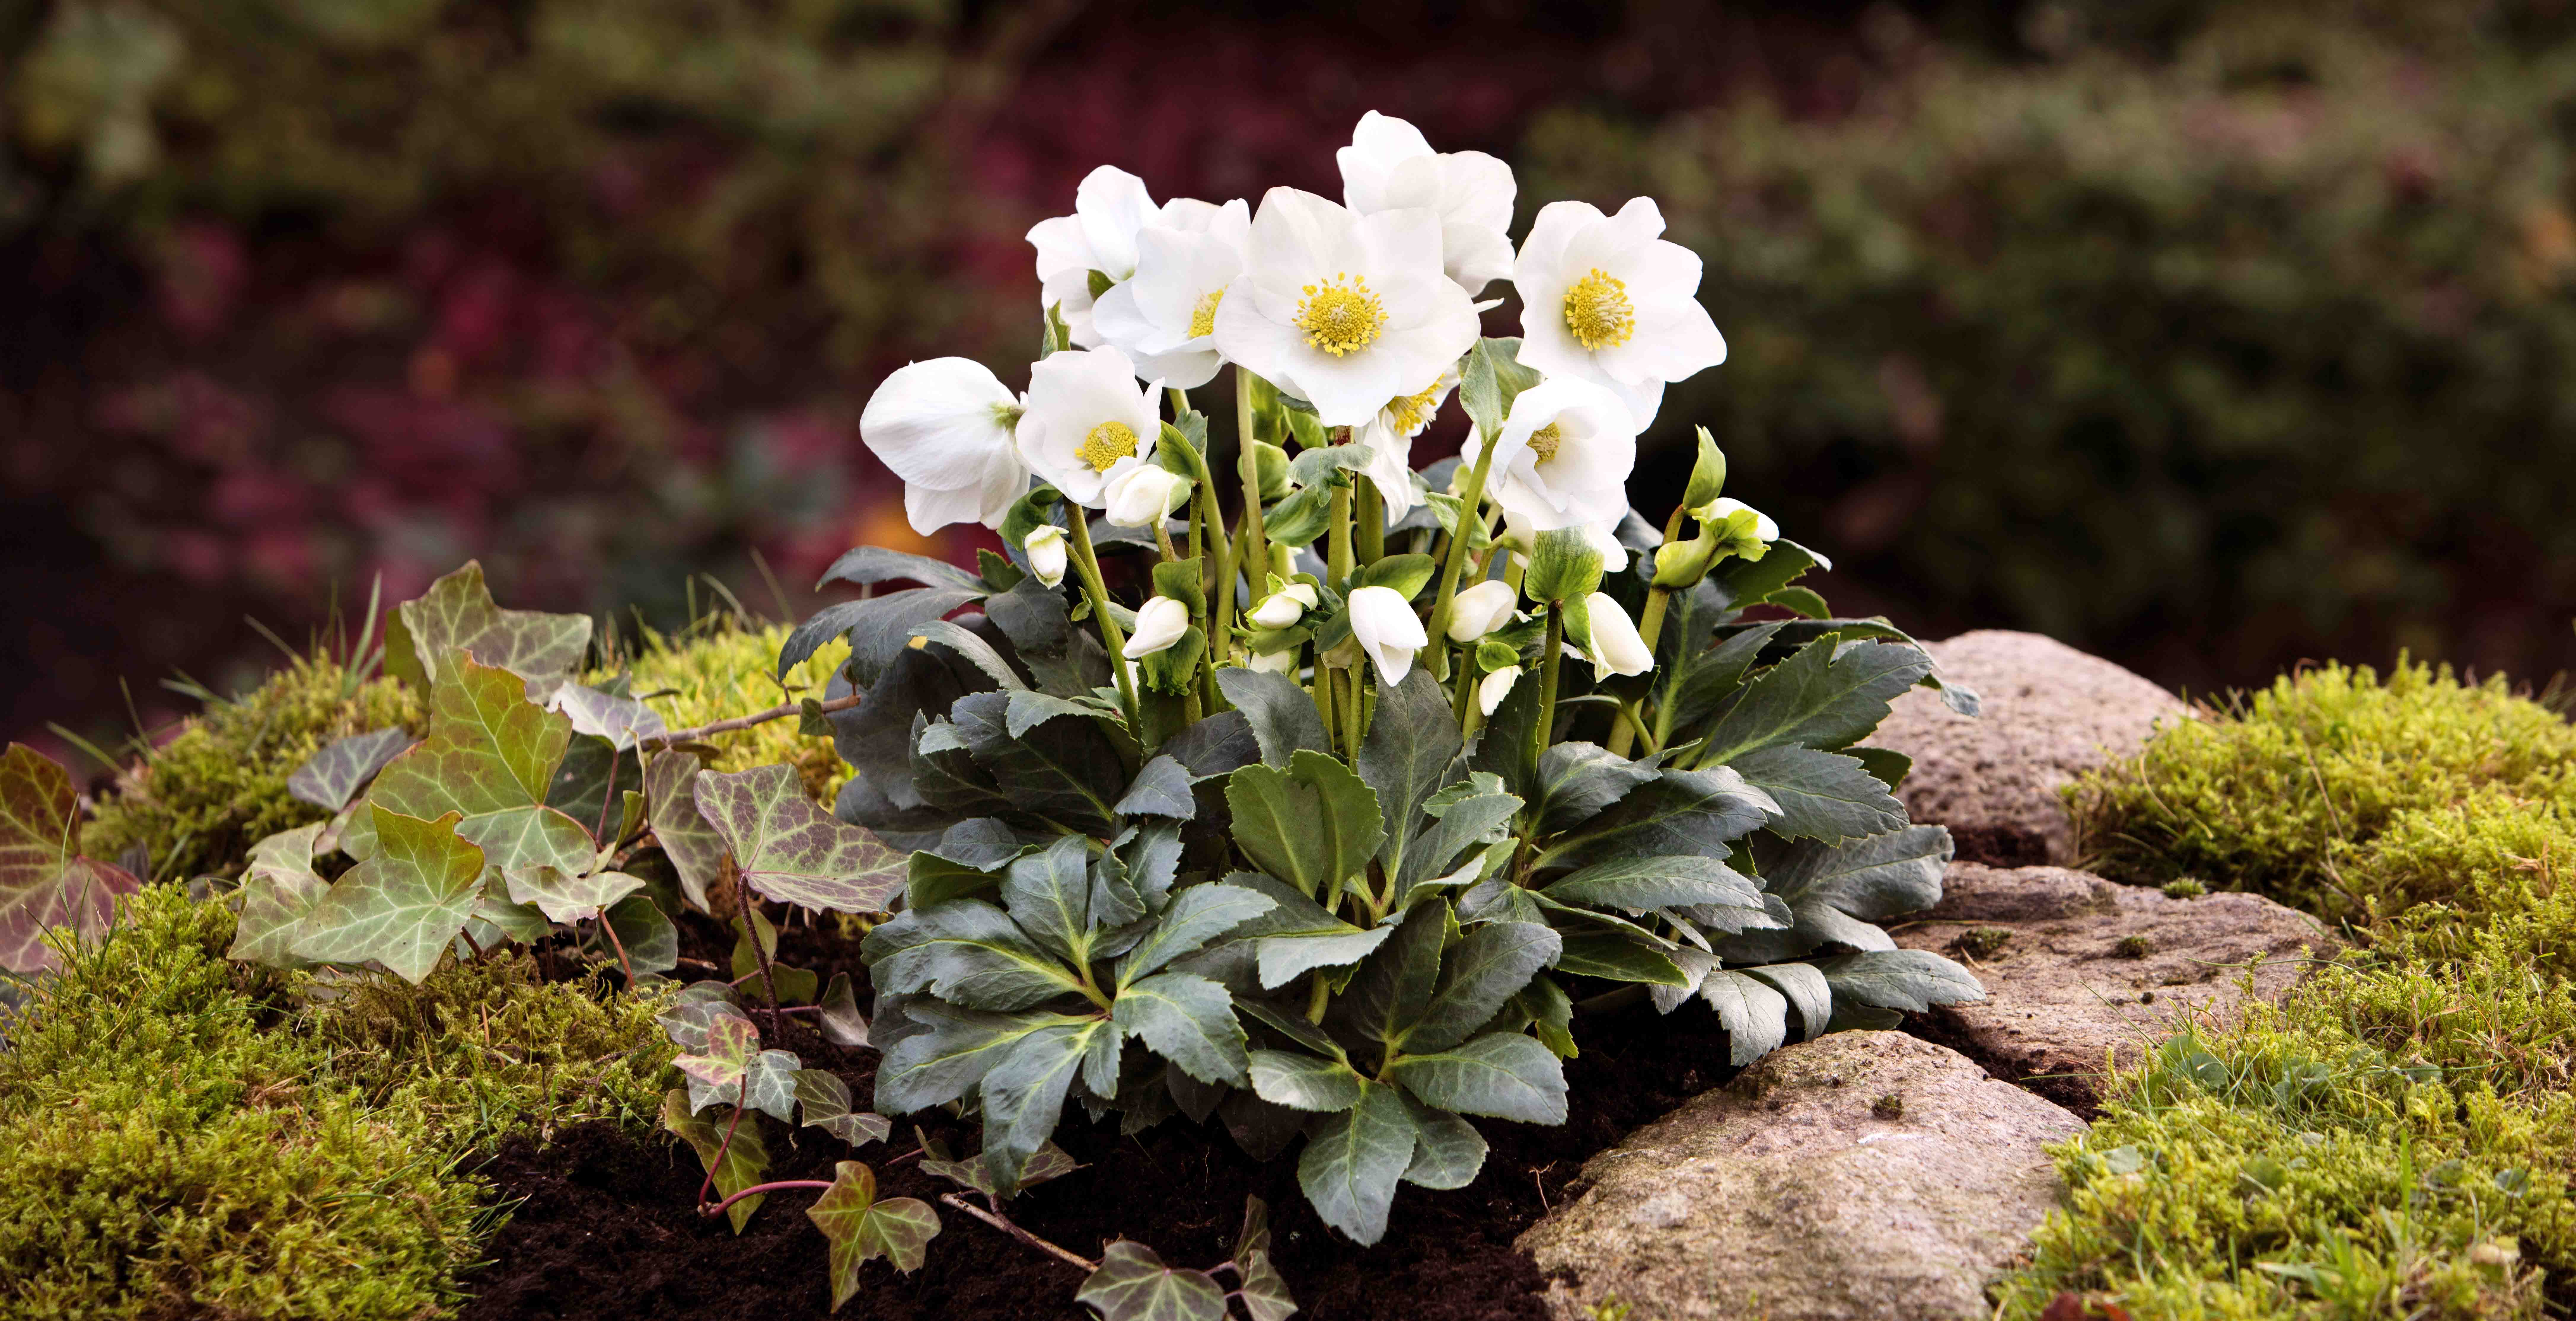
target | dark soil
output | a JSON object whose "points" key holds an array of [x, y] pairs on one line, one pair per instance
{"points": [[603, 1224]]}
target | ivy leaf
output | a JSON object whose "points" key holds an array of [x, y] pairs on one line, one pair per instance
{"points": [[491, 755], [1303, 1082], [793, 851], [1354, 1158], [1264, 1294], [1050, 1162], [1133, 1284], [335, 774], [403, 904], [743, 1160], [1913, 980], [621, 721], [1682, 813], [1282, 716], [1827, 695], [1502, 1074], [652, 942], [860, 1227], [1188, 1020], [715, 1068], [458, 612], [1410, 752], [44, 882], [569, 899], [1822, 795], [1448, 1152], [278, 888], [696, 851], [825, 1102], [1313, 825], [769, 1084]]}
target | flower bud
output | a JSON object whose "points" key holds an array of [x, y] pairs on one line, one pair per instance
{"points": [[1738, 528], [1159, 624], [1140, 493], [1480, 610], [1284, 607], [1384, 625], [1612, 643], [1496, 687], [1282, 661], [1045, 547]]}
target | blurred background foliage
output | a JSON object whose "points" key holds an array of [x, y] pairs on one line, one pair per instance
{"points": [[2210, 336]]}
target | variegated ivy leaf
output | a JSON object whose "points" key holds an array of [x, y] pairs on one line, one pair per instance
{"points": [[793, 851], [403, 904], [730, 1068], [332, 779], [736, 1164], [652, 943], [859, 1227], [697, 852], [491, 755], [1264, 1294], [278, 888], [44, 882], [1133, 1284], [840, 1020], [566, 898], [826, 1102], [620, 720], [691, 1019], [458, 612]]}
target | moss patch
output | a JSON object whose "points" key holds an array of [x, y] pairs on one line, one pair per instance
{"points": [[723, 674]]}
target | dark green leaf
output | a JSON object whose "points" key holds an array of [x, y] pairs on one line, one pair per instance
{"points": [[1680, 813], [1816, 698], [1282, 716], [1298, 935], [652, 943], [878, 628], [1491, 963], [1314, 825], [1303, 1082], [1354, 1158], [1617, 957], [1912, 980], [1197, 915], [873, 564], [1161, 789], [1755, 1014], [1806, 990], [1024, 1095], [1834, 891], [1052, 762], [1447, 1151], [1393, 988], [1133, 1284], [1578, 781], [948, 1054], [1822, 795], [967, 952], [1411, 751], [1886, 765], [1048, 894], [1187, 1020], [1501, 1074], [970, 648], [1751, 582], [840, 1020], [1640, 884]]}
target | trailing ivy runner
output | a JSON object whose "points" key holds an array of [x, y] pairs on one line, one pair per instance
{"points": [[1304, 792]]}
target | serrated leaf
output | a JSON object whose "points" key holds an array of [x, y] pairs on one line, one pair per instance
{"points": [[1807, 991], [1501, 1074], [1486, 967], [1187, 1020], [1162, 788], [1133, 1284], [736, 1164], [1491, 378], [1912, 980], [279, 886], [1303, 1082], [1353, 1159], [1578, 781], [1696, 677], [1641, 884], [793, 851], [1196, 916], [458, 612], [1822, 795], [1410, 752], [1313, 825], [1826, 695], [1048, 895], [1024, 1095], [491, 756], [403, 905], [859, 1227], [568, 899], [1468, 815], [1746, 582], [967, 952], [1447, 1151], [824, 1102], [1619, 957], [1681, 813], [1754, 1013], [1835, 891], [1393, 988], [696, 851], [335, 774], [879, 628], [1047, 756], [1282, 716], [867, 565]]}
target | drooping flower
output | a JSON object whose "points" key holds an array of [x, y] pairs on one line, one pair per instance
{"points": [[1390, 166], [1612, 642], [1160, 622], [1342, 310], [1086, 412], [1046, 550], [1388, 630], [944, 427], [1740, 528], [1282, 661], [1140, 493], [1480, 610], [1082, 255], [1607, 300], [1283, 608], [1164, 316], [1601, 537], [1562, 458], [1495, 687], [1389, 437]]}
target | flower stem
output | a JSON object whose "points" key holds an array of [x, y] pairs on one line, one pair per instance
{"points": [[1372, 515], [1256, 548], [1079, 525], [1547, 682], [1649, 627], [1354, 716], [1324, 695], [1337, 567], [1471, 504]]}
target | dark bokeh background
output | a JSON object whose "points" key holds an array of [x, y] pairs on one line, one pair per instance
{"points": [[2208, 336]]}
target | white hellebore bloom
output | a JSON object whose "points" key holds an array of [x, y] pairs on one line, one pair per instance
{"points": [[944, 427], [1159, 624], [1480, 610], [1612, 644], [1165, 315], [1390, 166], [1387, 630], [1342, 310], [1604, 299], [1283, 608], [1758, 529], [1562, 458], [1389, 437], [1496, 687], [1139, 493], [1086, 412], [1109, 207], [1282, 661], [1046, 550]]}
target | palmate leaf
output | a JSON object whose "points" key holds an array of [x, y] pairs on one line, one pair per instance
{"points": [[335, 774], [696, 851], [44, 880], [652, 943], [1826, 695], [793, 851], [491, 756], [1313, 825], [860, 1227], [565, 898], [824, 1100], [457, 612], [736, 1164], [403, 905], [620, 720], [278, 887], [1133, 1284], [1353, 1160]]}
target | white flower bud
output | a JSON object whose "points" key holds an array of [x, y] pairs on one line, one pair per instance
{"points": [[1046, 550], [1282, 661], [1283, 608], [1386, 628], [1613, 645], [1496, 687], [1159, 624], [1139, 493], [1480, 610], [1722, 509]]}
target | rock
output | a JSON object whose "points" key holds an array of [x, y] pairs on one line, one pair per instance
{"points": [[2078, 969], [1863, 1174], [2050, 713]]}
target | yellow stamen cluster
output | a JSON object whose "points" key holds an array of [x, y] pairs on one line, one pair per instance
{"points": [[1340, 315], [1408, 413], [1107, 444], [1545, 442], [1598, 313], [1203, 317]]}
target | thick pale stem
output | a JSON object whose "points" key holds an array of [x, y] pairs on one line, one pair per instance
{"points": [[1337, 562], [1256, 549], [1371, 510], [1005, 1224], [1324, 697], [1355, 713], [1089, 565], [779, 712], [1649, 627], [1547, 682], [1471, 504]]}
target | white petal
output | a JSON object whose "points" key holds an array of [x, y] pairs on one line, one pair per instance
{"points": [[1480, 610], [1479, 190], [1060, 246], [929, 510], [1495, 687], [1160, 622], [938, 422], [1387, 629], [1614, 645], [1112, 205]]}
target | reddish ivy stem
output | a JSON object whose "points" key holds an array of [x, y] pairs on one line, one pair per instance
{"points": [[674, 737], [624, 964], [718, 1163], [1003, 1223], [783, 1185]]}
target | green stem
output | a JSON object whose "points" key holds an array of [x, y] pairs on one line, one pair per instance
{"points": [[1089, 565], [1337, 563], [1256, 550], [1324, 695], [1471, 504], [1547, 682], [1372, 515], [1649, 627], [1354, 716]]}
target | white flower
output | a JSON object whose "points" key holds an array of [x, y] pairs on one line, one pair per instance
{"points": [[1496, 687], [1283, 608], [1282, 661], [1387, 629], [1085, 413], [1606, 300], [1562, 458], [1741, 528], [1389, 437], [1612, 644], [1159, 624], [1480, 610], [1108, 208], [1139, 493], [1389, 166], [1165, 315], [1341, 310], [944, 427], [1045, 547]]}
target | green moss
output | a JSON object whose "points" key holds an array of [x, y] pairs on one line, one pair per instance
{"points": [[725, 674], [207, 795]]}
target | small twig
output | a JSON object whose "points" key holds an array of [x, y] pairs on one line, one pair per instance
{"points": [[674, 737], [711, 1212], [1003, 1223]]}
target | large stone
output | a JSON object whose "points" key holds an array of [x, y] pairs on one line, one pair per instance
{"points": [[2050, 713], [1863, 1174], [2079, 970]]}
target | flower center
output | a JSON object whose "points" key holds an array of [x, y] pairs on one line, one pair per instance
{"points": [[1598, 312], [1203, 317], [1107, 444], [1546, 441], [1340, 315], [1407, 413]]}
